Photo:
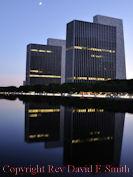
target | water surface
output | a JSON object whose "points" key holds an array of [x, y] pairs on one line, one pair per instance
{"points": [[39, 133]]}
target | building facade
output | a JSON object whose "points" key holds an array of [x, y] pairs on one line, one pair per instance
{"points": [[62, 43], [42, 122], [87, 135], [94, 136], [120, 52], [43, 64], [95, 51]]}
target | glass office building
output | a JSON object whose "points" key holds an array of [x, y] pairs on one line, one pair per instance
{"points": [[43, 64], [95, 51]]}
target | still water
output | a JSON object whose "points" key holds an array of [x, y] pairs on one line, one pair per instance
{"points": [[37, 134]]}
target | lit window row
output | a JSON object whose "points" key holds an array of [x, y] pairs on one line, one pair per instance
{"points": [[36, 71], [96, 56], [42, 51], [43, 110], [39, 136], [45, 76], [94, 133], [80, 78], [91, 49], [79, 110], [88, 110], [108, 138], [91, 78], [33, 115]]}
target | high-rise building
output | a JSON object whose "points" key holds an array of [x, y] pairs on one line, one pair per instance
{"points": [[95, 51], [43, 64], [94, 136], [62, 43], [42, 122], [87, 135]]}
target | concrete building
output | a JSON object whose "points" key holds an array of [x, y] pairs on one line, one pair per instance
{"points": [[120, 52], [42, 122], [92, 136], [62, 43], [95, 51], [43, 64], [87, 135]]}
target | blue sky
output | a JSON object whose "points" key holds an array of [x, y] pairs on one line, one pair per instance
{"points": [[24, 21]]}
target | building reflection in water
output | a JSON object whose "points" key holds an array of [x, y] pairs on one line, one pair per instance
{"points": [[42, 122], [88, 136]]}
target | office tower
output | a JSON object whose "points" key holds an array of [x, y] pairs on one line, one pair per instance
{"points": [[120, 52], [87, 135], [92, 136], [60, 141], [62, 43], [95, 51], [43, 65], [42, 122]]}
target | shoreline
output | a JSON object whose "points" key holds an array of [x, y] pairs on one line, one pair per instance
{"points": [[72, 95]]}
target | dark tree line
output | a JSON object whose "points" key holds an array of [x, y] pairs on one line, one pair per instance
{"points": [[101, 86]]}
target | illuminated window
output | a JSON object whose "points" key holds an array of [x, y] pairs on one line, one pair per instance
{"points": [[96, 56], [91, 49], [80, 78], [45, 76], [41, 51], [34, 50], [33, 115], [79, 110], [43, 110], [88, 110], [100, 110], [108, 138], [36, 71], [91, 78], [39, 136], [94, 133], [91, 110]]}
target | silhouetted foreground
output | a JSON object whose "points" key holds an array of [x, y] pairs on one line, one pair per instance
{"points": [[106, 104], [101, 86]]}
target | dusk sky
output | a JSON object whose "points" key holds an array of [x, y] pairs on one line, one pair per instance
{"points": [[33, 21]]}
